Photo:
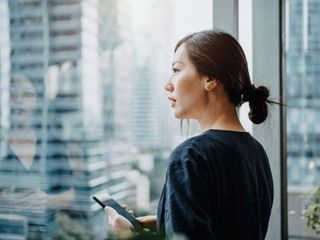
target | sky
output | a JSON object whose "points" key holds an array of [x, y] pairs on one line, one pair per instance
{"points": [[190, 15]]}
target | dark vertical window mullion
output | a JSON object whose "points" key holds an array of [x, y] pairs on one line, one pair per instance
{"points": [[283, 126]]}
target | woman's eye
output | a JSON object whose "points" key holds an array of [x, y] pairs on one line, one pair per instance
{"points": [[175, 70]]}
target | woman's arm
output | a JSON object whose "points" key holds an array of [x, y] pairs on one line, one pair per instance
{"points": [[122, 228], [187, 201]]}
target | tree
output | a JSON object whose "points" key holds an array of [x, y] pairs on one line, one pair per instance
{"points": [[66, 228]]}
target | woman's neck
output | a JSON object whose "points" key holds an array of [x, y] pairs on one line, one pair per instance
{"points": [[23, 146], [223, 118]]}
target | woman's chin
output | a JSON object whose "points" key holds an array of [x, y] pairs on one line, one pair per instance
{"points": [[178, 115]]}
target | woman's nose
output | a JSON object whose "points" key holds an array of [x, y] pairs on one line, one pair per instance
{"points": [[169, 87]]}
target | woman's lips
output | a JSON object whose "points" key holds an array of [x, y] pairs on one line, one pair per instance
{"points": [[172, 101]]}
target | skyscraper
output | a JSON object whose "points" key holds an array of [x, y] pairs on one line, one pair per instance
{"points": [[303, 112], [4, 63], [116, 65], [303, 75], [150, 117], [54, 65], [117, 70]]}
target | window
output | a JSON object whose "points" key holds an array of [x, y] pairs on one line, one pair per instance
{"points": [[78, 123], [60, 18], [302, 76], [64, 33], [31, 35]]}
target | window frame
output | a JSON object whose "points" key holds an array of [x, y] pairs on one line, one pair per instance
{"points": [[267, 41]]}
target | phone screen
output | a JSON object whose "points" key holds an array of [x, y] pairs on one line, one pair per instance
{"points": [[123, 212]]}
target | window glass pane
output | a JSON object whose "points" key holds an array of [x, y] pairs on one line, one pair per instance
{"points": [[83, 109], [245, 39], [303, 114]]}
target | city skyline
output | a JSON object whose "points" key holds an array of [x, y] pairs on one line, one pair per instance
{"points": [[67, 99]]}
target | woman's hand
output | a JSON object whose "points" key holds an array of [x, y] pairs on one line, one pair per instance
{"points": [[149, 222], [119, 225]]}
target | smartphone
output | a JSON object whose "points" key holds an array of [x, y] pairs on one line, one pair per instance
{"points": [[123, 212]]}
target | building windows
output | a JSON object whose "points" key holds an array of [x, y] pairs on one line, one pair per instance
{"points": [[70, 32], [31, 35], [54, 3], [303, 134], [60, 18]]}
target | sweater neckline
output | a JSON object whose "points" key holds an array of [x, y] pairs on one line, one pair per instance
{"points": [[227, 131]]}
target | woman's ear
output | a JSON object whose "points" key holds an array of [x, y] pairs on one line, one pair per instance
{"points": [[210, 83]]}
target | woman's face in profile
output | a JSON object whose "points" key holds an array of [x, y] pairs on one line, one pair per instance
{"points": [[185, 87], [23, 99]]}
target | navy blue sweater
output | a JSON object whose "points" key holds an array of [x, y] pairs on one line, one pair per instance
{"points": [[218, 186]]}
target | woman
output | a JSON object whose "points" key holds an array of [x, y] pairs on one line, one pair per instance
{"points": [[29, 186], [218, 184]]}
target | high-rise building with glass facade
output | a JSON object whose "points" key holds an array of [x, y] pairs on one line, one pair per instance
{"points": [[79, 101], [117, 62], [4, 63], [116, 71], [302, 77], [151, 119], [53, 155], [302, 51]]}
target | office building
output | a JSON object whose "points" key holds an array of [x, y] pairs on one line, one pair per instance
{"points": [[303, 64], [303, 111], [55, 53]]}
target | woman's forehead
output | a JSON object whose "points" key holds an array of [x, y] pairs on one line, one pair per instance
{"points": [[181, 55]]}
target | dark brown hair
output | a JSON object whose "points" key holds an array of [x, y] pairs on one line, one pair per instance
{"points": [[218, 55]]}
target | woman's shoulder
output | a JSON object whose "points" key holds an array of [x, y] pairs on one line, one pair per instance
{"points": [[226, 139], [214, 139], [192, 149], [214, 143]]}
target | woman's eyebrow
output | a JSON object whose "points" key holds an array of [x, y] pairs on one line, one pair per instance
{"points": [[177, 62]]}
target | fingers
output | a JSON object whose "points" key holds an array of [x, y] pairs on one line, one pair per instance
{"points": [[127, 209], [119, 225], [144, 219], [149, 221], [110, 211], [112, 215], [140, 219]]}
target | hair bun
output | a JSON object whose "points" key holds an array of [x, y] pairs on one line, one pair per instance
{"points": [[258, 104], [261, 94], [248, 92]]}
